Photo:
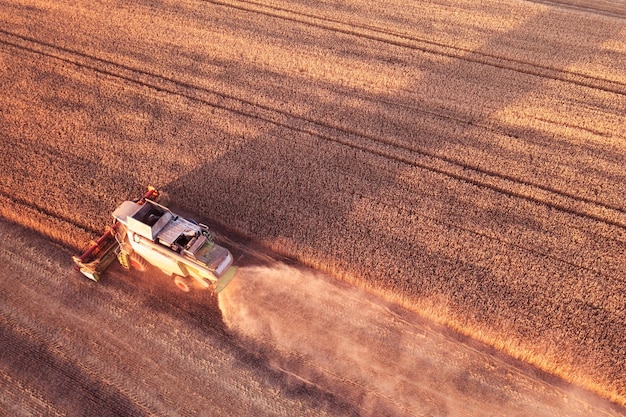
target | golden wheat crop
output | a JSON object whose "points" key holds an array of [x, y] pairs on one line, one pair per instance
{"points": [[468, 164]]}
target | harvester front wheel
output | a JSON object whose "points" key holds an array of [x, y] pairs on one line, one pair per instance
{"points": [[183, 283], [138, 262]]}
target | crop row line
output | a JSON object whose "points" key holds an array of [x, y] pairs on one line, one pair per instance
{"points": [[346, 381], [403, 40], [591, 7], [19, 202], [52, 357], [487, 235], [235, 105], [382, 147]]}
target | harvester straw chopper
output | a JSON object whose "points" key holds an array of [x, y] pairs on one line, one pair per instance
{"points": [[146, 232]]}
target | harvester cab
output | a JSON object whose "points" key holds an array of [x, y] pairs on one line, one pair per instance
{"points": [[146, 232]]}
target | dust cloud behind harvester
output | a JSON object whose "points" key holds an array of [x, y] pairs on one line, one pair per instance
{"points": [[382, 360]]}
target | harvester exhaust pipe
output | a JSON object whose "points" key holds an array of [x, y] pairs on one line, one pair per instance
{"points": [[152, 194]]}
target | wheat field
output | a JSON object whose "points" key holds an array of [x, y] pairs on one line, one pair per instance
{"points": [[464, 161]]}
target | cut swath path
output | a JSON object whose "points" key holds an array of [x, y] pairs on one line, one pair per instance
{"points": [[382, 359]]}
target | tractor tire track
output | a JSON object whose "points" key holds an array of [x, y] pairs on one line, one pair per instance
{"points": [[501, 183], [430, 167], [499, 239], [389, 37], [612, 10]]}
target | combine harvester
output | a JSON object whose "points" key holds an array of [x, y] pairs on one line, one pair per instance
{"points": [[145, 232]]}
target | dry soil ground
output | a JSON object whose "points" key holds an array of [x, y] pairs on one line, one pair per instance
{"points": [[285, 341], [465, 160]]}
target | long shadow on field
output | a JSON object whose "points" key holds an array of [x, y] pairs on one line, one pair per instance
{"points": [[531, 303], [281, 185], [336, 199], [513, 69], [315, 192]]}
